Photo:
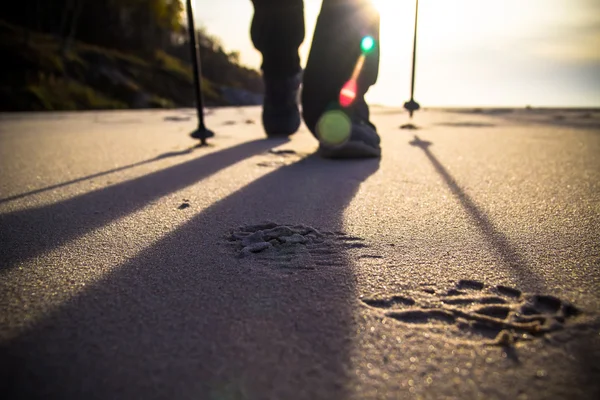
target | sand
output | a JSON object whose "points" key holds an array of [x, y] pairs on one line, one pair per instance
{"points": [[463, 264]]}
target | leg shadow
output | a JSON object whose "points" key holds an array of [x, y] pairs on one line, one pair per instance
{"points": [[188, 319], [29, 233]]}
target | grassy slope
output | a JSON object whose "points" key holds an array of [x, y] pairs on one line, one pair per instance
{"points": [[37, 77]]}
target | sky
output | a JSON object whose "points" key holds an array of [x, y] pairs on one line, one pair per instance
{"points": [[543, 53]]}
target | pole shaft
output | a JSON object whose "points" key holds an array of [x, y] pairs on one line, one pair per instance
{"points": [[195, 54], [414, 60]]}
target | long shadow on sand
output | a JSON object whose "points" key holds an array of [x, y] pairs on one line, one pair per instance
{"points": [[188, 319], [31, 232], [510, 257], [98, 174], [582, 347]]}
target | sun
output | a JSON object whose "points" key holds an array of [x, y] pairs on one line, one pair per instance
{"points": [[397, 19], [387, 6], [394, 14]]}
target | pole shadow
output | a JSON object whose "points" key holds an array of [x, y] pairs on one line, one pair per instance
{"points": [[29, 233], [582, 348], [509, 255], [99, 174], [188, 319]]}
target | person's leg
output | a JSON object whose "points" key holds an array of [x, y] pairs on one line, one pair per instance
{"points": [[277, 31], [335, 50]]}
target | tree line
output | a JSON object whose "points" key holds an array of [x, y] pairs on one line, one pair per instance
{"points": [[139, 27]]}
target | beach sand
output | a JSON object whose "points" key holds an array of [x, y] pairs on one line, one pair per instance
{"points": [[464, 264]]}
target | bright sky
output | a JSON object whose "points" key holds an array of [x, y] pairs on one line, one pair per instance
{"points": [[470, 52]]}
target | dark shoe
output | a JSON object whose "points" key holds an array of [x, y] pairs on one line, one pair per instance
{"points": [[348, 133], [281, 116], [363, 142]]}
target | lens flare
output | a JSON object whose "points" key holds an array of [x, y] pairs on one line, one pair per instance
{"points": [[367, 44], [350, 88], [333, 128], [348, 93]]}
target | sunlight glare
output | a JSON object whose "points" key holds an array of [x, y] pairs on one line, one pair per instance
{"points": [[334, 128]]}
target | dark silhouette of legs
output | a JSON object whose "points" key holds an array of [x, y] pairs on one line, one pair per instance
{"points": [[278, 30], [335, 50]]}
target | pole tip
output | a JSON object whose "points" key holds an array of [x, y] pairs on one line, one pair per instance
{"points": [[202, 134], [411, 106]]}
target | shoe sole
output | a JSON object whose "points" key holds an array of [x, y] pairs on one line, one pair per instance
{"points": [[352, 149]]}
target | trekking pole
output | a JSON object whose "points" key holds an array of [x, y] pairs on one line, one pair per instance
{"points": [[412, 105], [201, 132]]}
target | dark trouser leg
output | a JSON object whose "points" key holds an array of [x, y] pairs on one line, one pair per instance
{"points": [[333, 55], [277, 32]]}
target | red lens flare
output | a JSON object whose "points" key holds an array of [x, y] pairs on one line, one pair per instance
{"points": [[348, 93], [349, 90]]}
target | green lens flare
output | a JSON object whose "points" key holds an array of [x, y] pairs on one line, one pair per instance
{"points": [[334, 128], [367, 44]]}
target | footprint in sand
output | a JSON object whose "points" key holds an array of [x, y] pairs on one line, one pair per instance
{"points": [[298, 247], [473, 311], [279, 158]]}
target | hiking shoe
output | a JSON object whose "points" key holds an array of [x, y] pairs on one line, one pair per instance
{"points": [[339, 137], [281, 116]]}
